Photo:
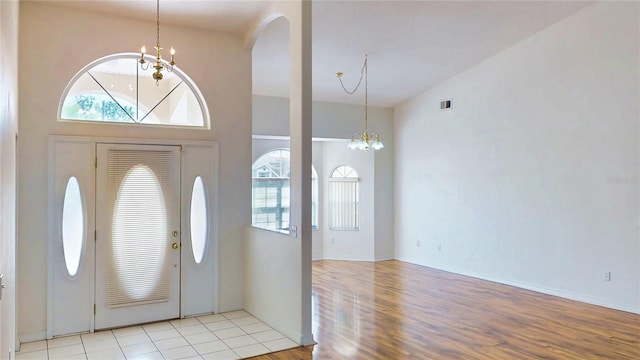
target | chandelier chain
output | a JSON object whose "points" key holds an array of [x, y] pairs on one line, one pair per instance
{"points": [[364, 140], [366, 97], [362, 73], [144, 65], [158, 24]]}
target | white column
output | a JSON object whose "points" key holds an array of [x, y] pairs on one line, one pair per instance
{"points": [[300, 131]]}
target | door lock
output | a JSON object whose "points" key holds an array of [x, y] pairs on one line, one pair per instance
{"points": [[175, 233], [175, 245]]}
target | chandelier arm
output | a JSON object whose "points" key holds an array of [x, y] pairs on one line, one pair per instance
{"points": [[157, 75]]}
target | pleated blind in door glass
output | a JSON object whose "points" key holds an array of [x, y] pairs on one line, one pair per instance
{"points": [[138, 268]]}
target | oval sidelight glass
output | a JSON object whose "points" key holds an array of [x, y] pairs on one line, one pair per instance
{"points": [[139, 237], [72, 226], [199, 216]]}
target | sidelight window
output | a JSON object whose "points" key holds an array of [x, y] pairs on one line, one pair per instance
{"points": [[73, 225]]}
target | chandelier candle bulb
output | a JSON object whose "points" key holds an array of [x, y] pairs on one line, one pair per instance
{"points": [[157, 75]]}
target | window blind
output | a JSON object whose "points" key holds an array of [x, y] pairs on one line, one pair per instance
{"points": [[343, 204], [138, 268]]}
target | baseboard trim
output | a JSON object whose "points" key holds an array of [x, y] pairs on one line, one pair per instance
{"points": [[306, 341], [31, 337], [339, 258], [543, 290], [568, 295], [265, 319]]}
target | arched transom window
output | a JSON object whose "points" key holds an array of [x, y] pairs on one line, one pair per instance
{"points": [[115, 89]]}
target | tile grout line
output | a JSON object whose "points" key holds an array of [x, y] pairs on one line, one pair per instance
{"points": [[185, 339], [182, 336], [222, 340], [118, 342], [86, 356], [152, 341]]}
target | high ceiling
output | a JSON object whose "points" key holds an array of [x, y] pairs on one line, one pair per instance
{"points": [[412, 45]]}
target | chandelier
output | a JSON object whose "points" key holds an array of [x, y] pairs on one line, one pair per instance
{"points": [[366, 139], [144, 65]]}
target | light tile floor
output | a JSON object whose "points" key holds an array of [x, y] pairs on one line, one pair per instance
{"points": [[232, 335]]}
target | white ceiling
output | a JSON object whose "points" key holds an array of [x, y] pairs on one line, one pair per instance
{"points": [[412, 45], [220, 15]]}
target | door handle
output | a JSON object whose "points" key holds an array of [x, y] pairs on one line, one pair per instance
{"points": [[175, 245]]}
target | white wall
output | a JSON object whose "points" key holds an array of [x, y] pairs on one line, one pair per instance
{"points": [[532, 178], [272, 270], [262, 146], [330, 120], [8, 130], [73, 39], [383, 195], [340, 121], [358, 244]]}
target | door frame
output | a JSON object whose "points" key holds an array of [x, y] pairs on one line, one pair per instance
{"points": [[131, 313], [194, 155]]}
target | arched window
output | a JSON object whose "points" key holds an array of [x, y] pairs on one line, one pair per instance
{"points": [[344, 199], [271, 191], [115, 89]]}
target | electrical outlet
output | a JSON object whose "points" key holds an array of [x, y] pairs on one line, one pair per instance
{"points": [[607, 276], [418, 243], [439, 247]]}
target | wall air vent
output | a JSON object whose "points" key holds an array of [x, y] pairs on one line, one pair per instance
{"points": [[445, 104]]}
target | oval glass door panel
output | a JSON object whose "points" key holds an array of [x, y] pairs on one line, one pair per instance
{"points": [[139, 238], [72, 226], [199, 216]]}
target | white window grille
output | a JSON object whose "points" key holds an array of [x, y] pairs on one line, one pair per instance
{"points": [[114, 89], [271, 191]]}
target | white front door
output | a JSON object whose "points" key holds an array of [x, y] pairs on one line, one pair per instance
{"points": [[137, 234]]}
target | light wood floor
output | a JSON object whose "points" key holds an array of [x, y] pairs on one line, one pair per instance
{"points": [[394, 310]]}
